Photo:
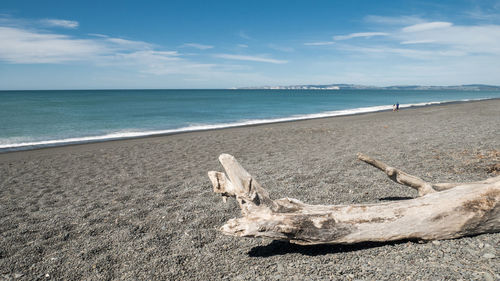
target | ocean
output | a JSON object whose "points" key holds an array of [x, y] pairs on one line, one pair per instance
{"points": [[32, 119]]}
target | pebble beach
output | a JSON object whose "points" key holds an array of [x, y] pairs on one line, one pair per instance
{"points": [[144, 209]]}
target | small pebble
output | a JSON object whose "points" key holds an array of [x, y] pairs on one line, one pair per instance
{"points": [[471, 252], [489, 256], [279, 268], [435, 242], [488, 277]]}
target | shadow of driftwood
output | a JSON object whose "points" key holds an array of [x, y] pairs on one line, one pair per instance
{"points": [[282, 248], [395, 198]]}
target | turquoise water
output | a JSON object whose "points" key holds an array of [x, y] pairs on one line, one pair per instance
{"points": [[31, 119]]}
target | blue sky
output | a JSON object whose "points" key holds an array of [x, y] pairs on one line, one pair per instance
{"points": [[224, 44]]}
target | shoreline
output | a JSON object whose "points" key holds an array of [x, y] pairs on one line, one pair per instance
{"points": [[250, 123]]}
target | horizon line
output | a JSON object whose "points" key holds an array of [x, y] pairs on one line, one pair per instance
{"points": [[252, 87]]}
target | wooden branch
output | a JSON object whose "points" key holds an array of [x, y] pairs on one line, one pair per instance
{"points": [[460, 210], [420, 185], [399, 176]]}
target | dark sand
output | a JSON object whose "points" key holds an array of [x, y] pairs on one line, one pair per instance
{"points": [[144, 209]]}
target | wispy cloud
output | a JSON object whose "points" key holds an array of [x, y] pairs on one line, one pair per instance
{"points": [[129, 44], [399, 20], [382, 51], [359, 34], [433, 41], [150, 56], [24, 46], [427, 26], [98, 35], [408, 42], [324, 43], [242, 45], [281, 48], [473, 39], [244, 35], [480, 14], [159, 63], [151, 62], [20, 46], [250, 58], [197, 46], [60, 23], [31, 46]]}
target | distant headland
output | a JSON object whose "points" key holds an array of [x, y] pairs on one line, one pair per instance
{"points": [[470, 87]]}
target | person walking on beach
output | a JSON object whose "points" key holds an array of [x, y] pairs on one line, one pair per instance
{"points": [[397, 106], [394, 107]]}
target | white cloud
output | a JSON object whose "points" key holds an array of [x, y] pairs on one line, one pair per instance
{"points": [[430, 41], [250, 58], [474, 39], [60, 23], [159, 63], [197, 46], [384, 51], [426, 26], [146, 56], [489, 15], [400, 20], [31, 47], [128, 44], [243, 45], [24, 46], [324, 43], [407, 42], [98, 35], [359, 34], [21, 46]]}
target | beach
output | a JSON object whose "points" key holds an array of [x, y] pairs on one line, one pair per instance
{"points": [[144, 209]]}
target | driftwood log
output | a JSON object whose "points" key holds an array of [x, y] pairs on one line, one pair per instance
{"points": [[442, 211]]}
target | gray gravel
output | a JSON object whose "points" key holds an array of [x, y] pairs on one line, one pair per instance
{"points": [[143, 209]]}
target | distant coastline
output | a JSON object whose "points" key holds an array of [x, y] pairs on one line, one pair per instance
{"points": [[469, 87]]}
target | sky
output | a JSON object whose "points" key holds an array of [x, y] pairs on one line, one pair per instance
{"points": [[223, 44]]}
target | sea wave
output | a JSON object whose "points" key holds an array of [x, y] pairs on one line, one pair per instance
{"points": [[8, 145]]}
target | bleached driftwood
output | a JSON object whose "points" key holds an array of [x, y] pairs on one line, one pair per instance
{"points": [[442, 211]]}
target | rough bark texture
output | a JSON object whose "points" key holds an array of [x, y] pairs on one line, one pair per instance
{"points": [[442, 211]]}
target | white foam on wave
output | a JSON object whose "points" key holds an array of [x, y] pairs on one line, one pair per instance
{"points": [[203, 127]]}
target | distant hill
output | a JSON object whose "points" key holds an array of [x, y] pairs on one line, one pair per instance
{"points": [[470, 87]]}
